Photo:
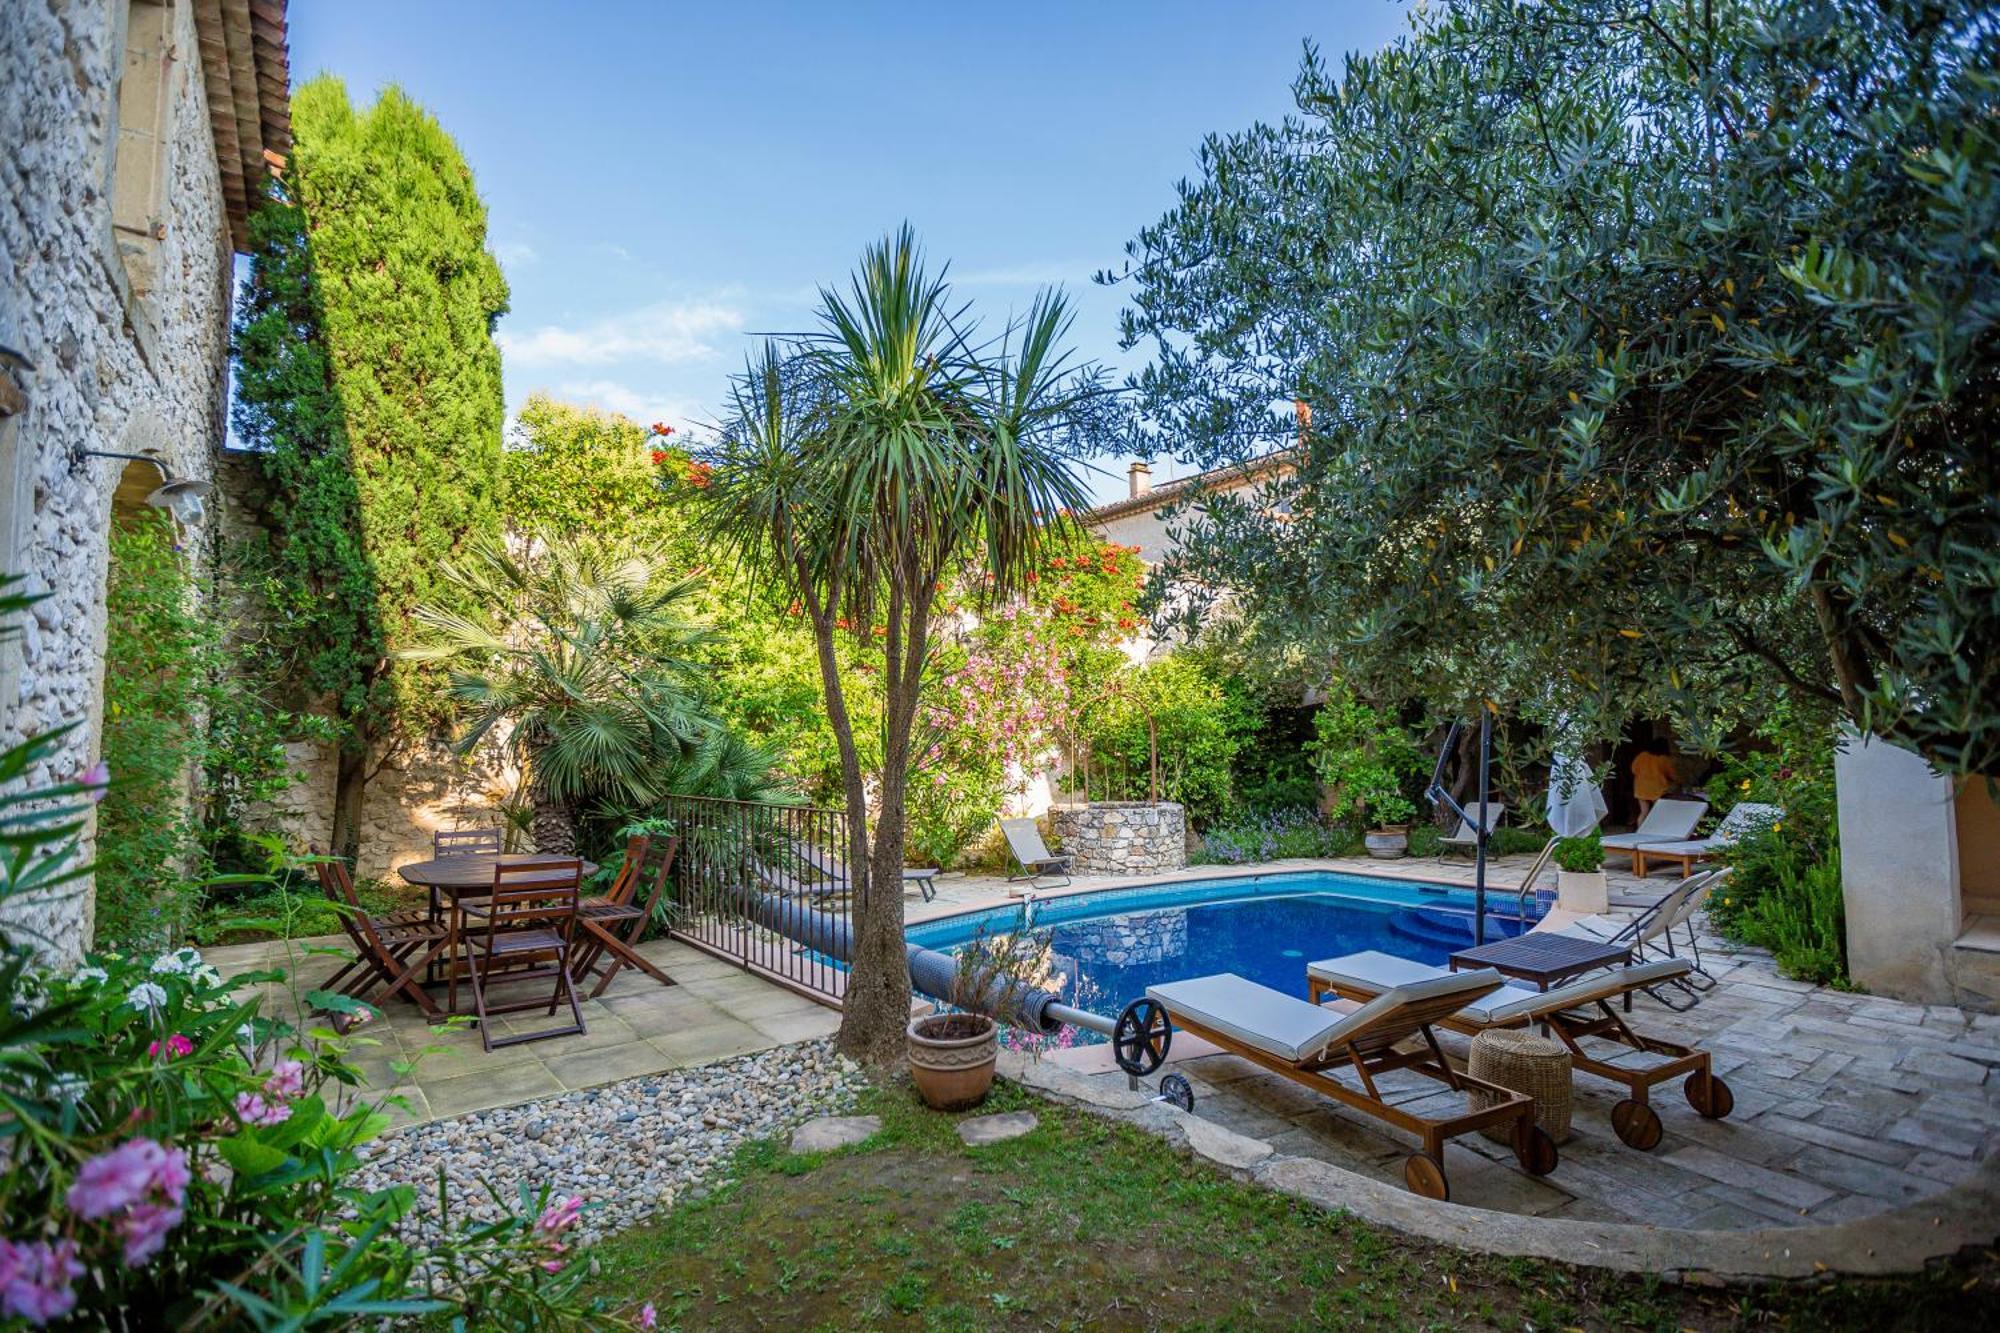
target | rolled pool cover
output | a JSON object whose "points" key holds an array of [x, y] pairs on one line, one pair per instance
{"points": [[931, 973]]}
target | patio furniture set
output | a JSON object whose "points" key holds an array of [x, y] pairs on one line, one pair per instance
{"points": [[499, 920]]}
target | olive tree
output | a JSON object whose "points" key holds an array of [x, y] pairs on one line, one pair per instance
{"points": [[1651, 356]]}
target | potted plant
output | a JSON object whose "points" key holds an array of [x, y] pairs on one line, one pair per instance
{"points": [[952, 1052], [1389, 815], [1580, 884]]}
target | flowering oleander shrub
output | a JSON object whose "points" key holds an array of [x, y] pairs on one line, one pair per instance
{"points": [[178, 1156]]}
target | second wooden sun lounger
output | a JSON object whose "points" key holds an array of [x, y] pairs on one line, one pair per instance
{"points": [[1308, 1044], [1645, 1063]]}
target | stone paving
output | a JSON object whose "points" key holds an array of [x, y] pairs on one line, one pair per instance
{"points": [[1846, 1104], [640, 1027]]}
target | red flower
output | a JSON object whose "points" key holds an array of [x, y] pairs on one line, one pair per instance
{"points": [[659, 457], [698, 476], [662, 428]]}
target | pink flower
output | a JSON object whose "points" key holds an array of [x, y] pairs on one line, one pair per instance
{"points": [[144, 1230], [96, 778], [648, 1317], [254, 1110], [552, 1265], [38, 1279], [116, 1179], [176, 1046], [171, 1175], [287, 1081], [559, 1217]]}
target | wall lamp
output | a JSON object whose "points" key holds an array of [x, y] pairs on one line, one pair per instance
{"points": [[180, 496]]}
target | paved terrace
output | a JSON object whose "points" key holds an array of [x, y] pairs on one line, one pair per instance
{"points": [[1846, 1104]]}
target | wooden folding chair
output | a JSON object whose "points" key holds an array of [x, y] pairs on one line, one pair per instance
{"points": [[389, 950], [616, 923], [525, 931], [461, 842]]}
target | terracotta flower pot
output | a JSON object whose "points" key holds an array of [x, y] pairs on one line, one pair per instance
{"points": [[951, 1059]]}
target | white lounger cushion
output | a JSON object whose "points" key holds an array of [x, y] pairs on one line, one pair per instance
{"points": [[1667, 821], [1288, 1027], [1371, 971]]}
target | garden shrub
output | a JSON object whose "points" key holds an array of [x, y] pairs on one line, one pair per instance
{"points": [[1274, 767], [1783, 892], [1274, 835], [179, 1158], [1367, 759], [1426, 839], [1177, 701]]}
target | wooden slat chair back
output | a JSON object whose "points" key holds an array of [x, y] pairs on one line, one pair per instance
{"points": [[381, 950], [527, 927], [466, 842], [617, 928]]}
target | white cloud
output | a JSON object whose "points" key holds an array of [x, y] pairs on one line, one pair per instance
{"points": [[638, 404], [514, 254], [668, 333]]}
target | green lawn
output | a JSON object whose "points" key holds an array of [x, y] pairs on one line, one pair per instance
{"points": [[1084, 1223]]}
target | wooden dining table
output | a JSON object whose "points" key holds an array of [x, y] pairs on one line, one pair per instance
{"points": [[472, 873]]}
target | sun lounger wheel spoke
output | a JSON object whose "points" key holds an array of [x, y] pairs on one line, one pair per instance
{"points": [[1141, 1038], [1637, 1125], [1423, 1174], [1709, 1095]]}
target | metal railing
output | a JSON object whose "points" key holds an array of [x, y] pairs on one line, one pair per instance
{"points": [[738, 856]]}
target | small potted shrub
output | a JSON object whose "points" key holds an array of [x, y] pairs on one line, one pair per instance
{"points": [[1580, 874], [1389, 814], [952, 1052]]}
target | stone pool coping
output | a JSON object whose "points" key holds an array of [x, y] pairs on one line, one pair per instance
{"points": [[1900, 1240]]}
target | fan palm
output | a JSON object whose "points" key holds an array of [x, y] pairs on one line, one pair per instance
{"points": [[587, 656], [863, 464]]}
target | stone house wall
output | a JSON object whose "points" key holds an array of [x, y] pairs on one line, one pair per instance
{"points": [[101, 366]]}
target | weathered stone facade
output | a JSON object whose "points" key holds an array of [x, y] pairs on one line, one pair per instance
{"points": [[115, 351], [1122, 837]]}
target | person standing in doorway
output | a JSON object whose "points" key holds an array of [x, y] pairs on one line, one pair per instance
{"points": [[1653, 775]]}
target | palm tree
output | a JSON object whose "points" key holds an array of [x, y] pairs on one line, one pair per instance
{"points": [[863, 464], [589, 654]]}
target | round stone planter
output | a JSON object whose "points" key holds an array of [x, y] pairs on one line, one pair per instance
{"points": [[952, 1057], [1122, 837], [1387, 844]]}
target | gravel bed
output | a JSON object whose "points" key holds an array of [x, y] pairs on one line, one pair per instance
{"points": [[627, 1149]]}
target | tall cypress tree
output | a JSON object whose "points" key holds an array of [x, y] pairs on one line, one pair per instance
{"points": [[369, 376]]}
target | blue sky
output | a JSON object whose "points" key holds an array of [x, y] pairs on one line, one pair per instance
{"points": [[664, 181]]}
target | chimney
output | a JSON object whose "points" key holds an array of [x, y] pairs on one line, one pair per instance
{"points": [[1142, 479]]}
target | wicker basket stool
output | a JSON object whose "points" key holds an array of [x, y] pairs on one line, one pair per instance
{"points": [[1518, 1059]]}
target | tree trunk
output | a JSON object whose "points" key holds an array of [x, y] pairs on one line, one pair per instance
{"points": [[350, 789], [551, 826]]}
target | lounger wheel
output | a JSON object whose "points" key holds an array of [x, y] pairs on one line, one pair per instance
{"points": [[1424, 1175], [1141, 1037], [1709, 1095], [1535, 1150], [1175, 1090], [1637, 1125]]}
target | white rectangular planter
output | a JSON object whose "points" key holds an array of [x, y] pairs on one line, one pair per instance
{"points": [[1582, 891]]}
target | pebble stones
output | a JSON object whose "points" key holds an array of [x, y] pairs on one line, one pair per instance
{"points": [[828, 1132], [981, 1130], [628, 1149]]}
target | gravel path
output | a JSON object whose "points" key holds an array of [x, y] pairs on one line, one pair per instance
{"points": [[627, 1149]]}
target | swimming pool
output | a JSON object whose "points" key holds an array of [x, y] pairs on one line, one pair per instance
{"points": [[1109, 946]]}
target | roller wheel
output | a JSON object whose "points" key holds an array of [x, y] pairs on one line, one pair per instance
{"points": [[1423, 1174], [1535, 1149], [1709, 1096], [1141, 1037], [1637, 1124], [1175, 1090]]}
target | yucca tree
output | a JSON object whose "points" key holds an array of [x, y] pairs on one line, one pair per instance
{"points": [[588, 652], [863, 464]]}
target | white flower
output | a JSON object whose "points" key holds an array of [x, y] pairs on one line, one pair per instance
{"points": [[169, 964], [207, 976], [88, 976], [146, 995]]}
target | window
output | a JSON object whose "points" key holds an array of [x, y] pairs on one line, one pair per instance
{"points": [[139, 148]]}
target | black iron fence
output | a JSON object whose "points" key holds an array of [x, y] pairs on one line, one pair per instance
{"points": [[741, 865]]}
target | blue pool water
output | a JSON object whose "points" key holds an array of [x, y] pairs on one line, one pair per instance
{"points": [[1108, 947]]}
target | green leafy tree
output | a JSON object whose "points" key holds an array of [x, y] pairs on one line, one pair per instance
{"points": [[572, 469], [1172, 711], [371, 379], [1369, 762], [860, 469], [585, 659], [1652, 359]]}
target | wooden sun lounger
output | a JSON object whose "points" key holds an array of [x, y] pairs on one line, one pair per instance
{"points": [[1308, 1044], [1568, 1012]]}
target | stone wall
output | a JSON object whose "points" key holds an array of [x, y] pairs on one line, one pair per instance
{"points": [[107, 368], [1122, 837]]}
